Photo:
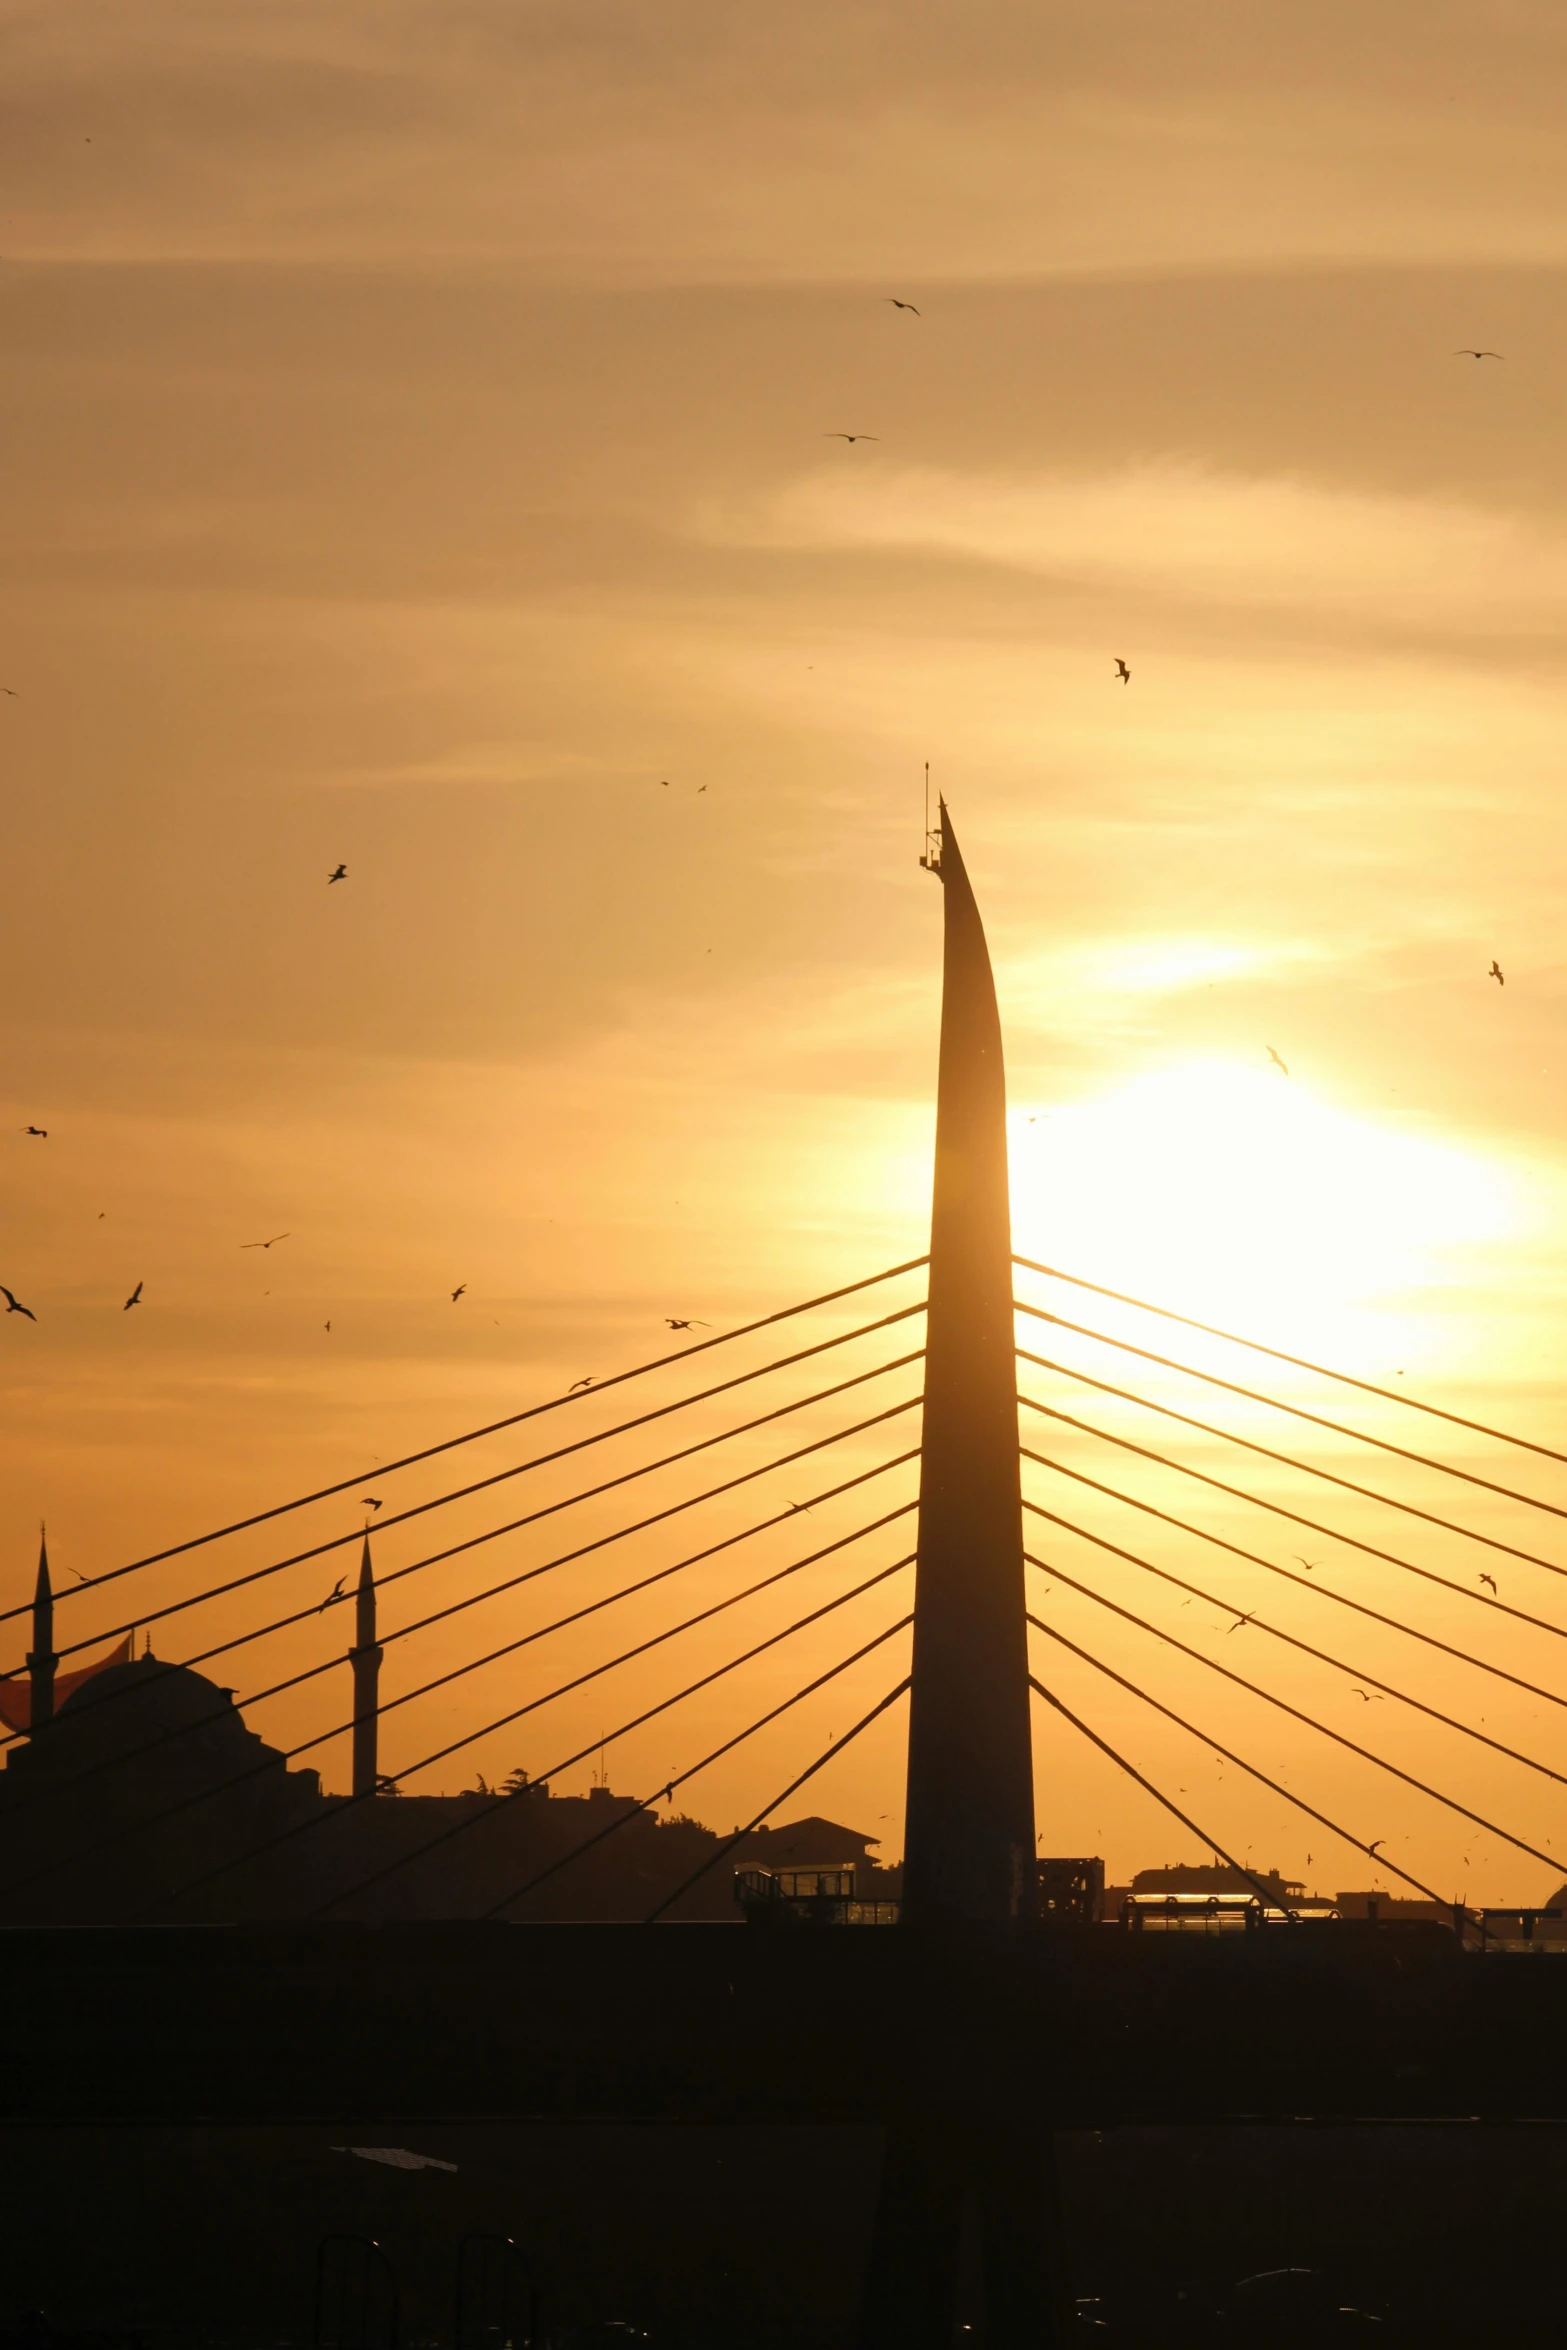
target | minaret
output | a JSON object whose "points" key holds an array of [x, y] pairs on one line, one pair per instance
{"points": [[41, 1659], [365, 1659]]}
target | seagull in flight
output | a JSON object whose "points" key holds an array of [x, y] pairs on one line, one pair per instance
{"points": [[1277, 1063], [897, 305], [851, 436], [578, 1384], [1469, 352], [272, 1243], [133, 1300], [1376, 1841], [1495, 973], [458, 1291], [1310, 1565], [1491, 1579], [14, 1305], [1369, 1699], [368, 1501], [337, 1592], [340, 875], [687, 1325], [1123, 674], [1238, 1624], [42, 1132], [11, 690]]}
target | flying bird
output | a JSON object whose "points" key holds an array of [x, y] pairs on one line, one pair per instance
{"points": [[14, 1305], [1469, 352], [340, 875], [802, 1507], [368, 1501], [336, 1592], [1491, 1579], [851, 436], [1278, 1064], [1368, 1698], [688, 1325], [1310, 1565], [1122, 672], [133, 1300], [11, 690], [578, 1383], [458, 1291], [272, 1243], [1371, 1847], [1239, 1622], [42, 1132], [897, 305], [1495, 973], [326, 1325]]}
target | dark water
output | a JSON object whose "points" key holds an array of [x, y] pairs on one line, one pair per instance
{"points": [[758, 2237]]}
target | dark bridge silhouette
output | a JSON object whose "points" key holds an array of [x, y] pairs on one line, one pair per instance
{"points": [[972, 2028]]}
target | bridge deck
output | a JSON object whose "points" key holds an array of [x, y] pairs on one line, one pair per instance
{"points": [[728, 2024]]}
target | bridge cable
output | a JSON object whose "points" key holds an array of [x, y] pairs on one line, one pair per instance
{"points": [[1274, 1632], [1449, 1802], [512, 1525], [1313, 1526], [1306, 1468], [1298, 1362], [117, 1761], [1268, 1897], [1318, 1591], [1241, 1763], [581, 1755], [500, 1722], [513, 1419], [542, 1460], [1297, 1411], [793, 1788]]}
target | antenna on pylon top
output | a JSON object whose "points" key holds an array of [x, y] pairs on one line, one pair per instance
{"points": [[931, 860]]}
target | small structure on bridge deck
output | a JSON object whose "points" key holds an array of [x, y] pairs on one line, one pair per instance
{"points": [[1072, 1892], [822, 1896]]}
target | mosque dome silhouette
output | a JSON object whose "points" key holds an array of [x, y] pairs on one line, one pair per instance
{"points": [[148, 1698]]}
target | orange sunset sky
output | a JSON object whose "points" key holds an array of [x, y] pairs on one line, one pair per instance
{"points": [[415, 456]]}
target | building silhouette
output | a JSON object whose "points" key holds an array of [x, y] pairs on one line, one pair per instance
{"points": [[145, 1794]]}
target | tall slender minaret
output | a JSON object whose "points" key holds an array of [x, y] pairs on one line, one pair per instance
{"points": [[365, 1659], [41, 1659]]}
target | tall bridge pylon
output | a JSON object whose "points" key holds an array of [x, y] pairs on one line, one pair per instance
{"points": [[967, 2240], [969, 1836]]}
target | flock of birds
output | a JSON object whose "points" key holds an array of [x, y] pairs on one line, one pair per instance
{"points": [[14, 1305], [1123, 676]]}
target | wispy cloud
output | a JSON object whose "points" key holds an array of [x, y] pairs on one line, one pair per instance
{"points": [[1194, 533]]}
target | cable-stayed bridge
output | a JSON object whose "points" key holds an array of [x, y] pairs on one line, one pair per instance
{"points": [[1002, 1524]]}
